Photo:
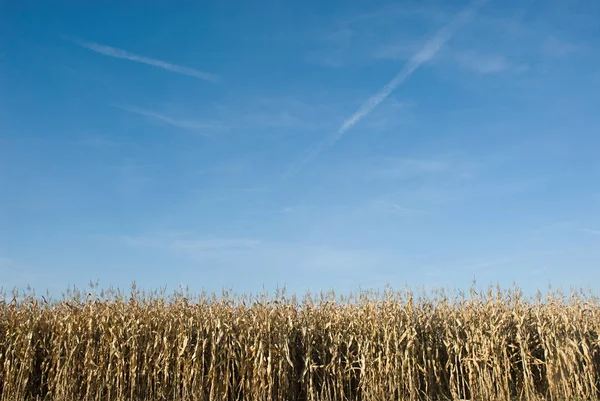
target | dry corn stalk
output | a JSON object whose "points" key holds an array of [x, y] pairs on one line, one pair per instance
{"points": [[395, 345]]}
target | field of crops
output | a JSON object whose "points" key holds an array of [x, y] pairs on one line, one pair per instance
{"points": [[491, 345]]}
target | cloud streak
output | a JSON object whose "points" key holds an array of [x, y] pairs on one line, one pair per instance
{"points": [[179, 123], [429, 50], [125, 55], [557, 48], [176, 243], [483, 63], [406, 167]]}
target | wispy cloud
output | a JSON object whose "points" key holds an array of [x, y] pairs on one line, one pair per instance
{"points": [[398, 209], [283, 113], [590, 231], [480, 62], [276, 120], [131, 179], [293, 262], [537, 272], [175, 242], [6, 262], [190, 125], [486, 266], [403, 50], [559, 48], [431, 48], [406, 167], [404, 210], [486, 63], [389, 14], [379, 33], [96, 140], [125, 55]]}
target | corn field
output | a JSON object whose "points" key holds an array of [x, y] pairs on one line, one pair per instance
{"points": [[394, 345]]}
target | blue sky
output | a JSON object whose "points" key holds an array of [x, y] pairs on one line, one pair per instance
{"points": [[319, 145]]}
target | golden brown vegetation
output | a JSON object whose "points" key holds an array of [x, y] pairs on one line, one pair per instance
{"points": [[390, 346]]}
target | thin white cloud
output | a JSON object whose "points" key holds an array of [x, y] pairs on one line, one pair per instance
{"points": [[390, 13], [285, 260], [387, 205], [403, 50], [356, 37], [485, 266], [179, 241], [132, 179], [125, 55], [283, 114], [405, 211], [538, 271], [558, 48], [406, 167], [283, 119], [191, 125], [483, 63], [96, 140], [479, 62], [215, 244], [590, 231], [6, 262], [431, 48]]}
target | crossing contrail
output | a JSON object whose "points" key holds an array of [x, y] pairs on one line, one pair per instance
{"points": [[429, 50]]}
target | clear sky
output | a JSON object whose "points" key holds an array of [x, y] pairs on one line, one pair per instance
{"points": [[316, 144]]}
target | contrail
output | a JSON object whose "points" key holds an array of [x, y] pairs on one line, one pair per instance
{"points": [[431, 48], [123, 54]]}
